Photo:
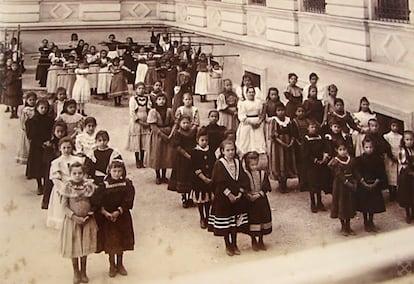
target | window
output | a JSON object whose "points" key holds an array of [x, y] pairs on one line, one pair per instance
{"points": [[255, 78], [257, 2], [393, 11], [314, 6]]}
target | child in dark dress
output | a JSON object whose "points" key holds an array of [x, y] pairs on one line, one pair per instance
{"points": [[371, 177], [13, 94], [116, 232], [335, 137], [315, 166], [184, 141], [343, 190], [313, 107], [405, 196], [300, 128], [103, 155], [214, 131], [51, 151], [202, 160], [38, 130], [260, 215], [229, 210]]}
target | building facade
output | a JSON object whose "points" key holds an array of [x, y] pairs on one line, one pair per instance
{"points": [[363, 46]]}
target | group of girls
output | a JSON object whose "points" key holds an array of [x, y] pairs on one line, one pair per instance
{"points": [[83, 70], [83, 180]]}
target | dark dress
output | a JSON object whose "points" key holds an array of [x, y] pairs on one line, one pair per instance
{"points": [[300, 129], [369, 168], [314, 110], [226, 216], [202, 161], [405, 196], [131, 63], [181, 179], [50, 152], [38, 130], [345, 120], [43, 66], [215, 135], [169, 83], [178, 98], [260, 215], [102, 160], [14, 92], [334, 140], [317, 176], [343, 189], [115, 237]]}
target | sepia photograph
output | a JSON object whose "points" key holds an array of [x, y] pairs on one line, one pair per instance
{"points": [[206, 141]]}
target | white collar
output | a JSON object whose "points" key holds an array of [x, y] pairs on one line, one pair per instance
{"points": [[283, 123], [227, 167], [197, 147]]}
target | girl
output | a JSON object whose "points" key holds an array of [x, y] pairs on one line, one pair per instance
{"points": [[269, 110], [85, 141], [44, 63], [104, 76], [247, 82], [119, 82], [14, 92], [139, 130], [170, 81], [201, 85], [227, 106], [329, 102], [293, 94], [371, 177], [184, 140], [103, 155], [81, 89], [313, 81], [156, 89], [189, 110], [160, 153], [300, 129], [229, 209], [260, 216], [93, 59], [343, 117], [51, 152], [282, 155], [215, 83], [56, 59], [67, 79], [73, 120], [214, 131], [116, 232], [343, 190], [79, 230], [391, 163], [38, 130], [335, 137], [59, 174], [362, 117], [405, 196], [250, 135], [151, 76], [184, 86], [202, 161], [315, 166], [313, 107], [60, 101], [27, 113]]}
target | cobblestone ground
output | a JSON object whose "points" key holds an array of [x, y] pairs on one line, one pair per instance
{"points": [[169, 241]]}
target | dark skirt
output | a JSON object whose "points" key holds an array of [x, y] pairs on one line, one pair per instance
{"points": [[343, 201], [181, 175], [370, 200], [260, 216], [405, 196], [115, 237], [226, 217], [317, 178], [35, 164]]}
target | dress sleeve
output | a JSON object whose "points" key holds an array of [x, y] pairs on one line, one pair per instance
{"points": [[128, 201], [221, 102], [242, 115], [152, 117], [196, 118]]}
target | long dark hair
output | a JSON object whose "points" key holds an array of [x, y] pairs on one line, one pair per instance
{"points": [[364, 99]]}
